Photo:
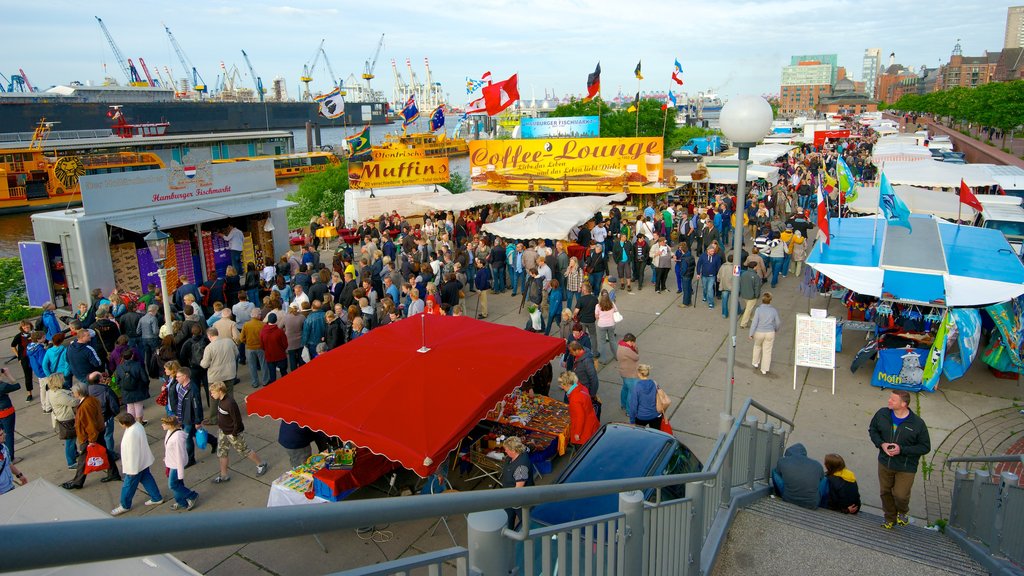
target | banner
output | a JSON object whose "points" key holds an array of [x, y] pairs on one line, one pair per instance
{"points": [[900, 369], [604, 163], [821, 135], [962, 346], [1009, 320], [379, 154], [570, 127], [393, 173]]}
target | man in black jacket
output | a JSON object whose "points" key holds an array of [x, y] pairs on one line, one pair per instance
{"points": [[901, 438]]}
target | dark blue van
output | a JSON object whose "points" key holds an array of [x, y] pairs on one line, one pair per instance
{"points": [[618, 451]]}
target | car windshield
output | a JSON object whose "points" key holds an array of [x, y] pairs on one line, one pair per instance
{"points": [[1009, 228]]}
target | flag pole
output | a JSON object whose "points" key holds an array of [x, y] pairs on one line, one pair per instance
{"points": [[959, 205]]}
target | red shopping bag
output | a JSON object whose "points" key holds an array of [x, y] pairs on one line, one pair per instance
{"points": [[96, 458], [665, 426]]}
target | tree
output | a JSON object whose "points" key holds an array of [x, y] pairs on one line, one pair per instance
{"points": [[13, 301], [320, 192], [457, 183]]}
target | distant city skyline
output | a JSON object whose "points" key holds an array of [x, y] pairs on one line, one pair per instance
{"points": [[730, 46]]}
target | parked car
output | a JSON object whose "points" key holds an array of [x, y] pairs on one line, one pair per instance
{"points": [[619, 451], [686, 155]]}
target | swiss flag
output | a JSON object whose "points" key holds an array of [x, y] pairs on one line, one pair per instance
{"points": [[822, 216], [967, 197], [501, 95]]}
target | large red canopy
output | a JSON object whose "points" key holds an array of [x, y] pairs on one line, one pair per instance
{"points": [[381, 392]]}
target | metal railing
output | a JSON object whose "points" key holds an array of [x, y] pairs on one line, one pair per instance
{"points": [[987, 513], [657, 536]]}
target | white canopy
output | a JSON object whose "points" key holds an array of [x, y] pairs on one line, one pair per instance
{"points": [[730, 174], [551, 221], [767, 153], [919, 200], [41, 501], [898, 149], [940, 174], [363, 204], [464, 201]]}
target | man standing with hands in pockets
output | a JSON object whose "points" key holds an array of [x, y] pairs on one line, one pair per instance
{"points": [[901, 438]]}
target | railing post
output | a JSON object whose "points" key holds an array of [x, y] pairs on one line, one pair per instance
{"points": [[755, 435], [724, 480], [632, 505], [981, 477], [695, 491], [490, 553], [1006, 479], [959, 511], [769, 449]]}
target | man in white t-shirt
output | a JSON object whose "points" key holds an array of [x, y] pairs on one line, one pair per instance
{"points": [[299, 296], [235, 240]]}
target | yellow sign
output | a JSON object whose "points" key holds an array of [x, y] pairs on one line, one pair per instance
{"points": [[392, 173], [565, 163], [68, 169], [379, 153]]}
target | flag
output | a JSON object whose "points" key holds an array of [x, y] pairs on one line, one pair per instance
{"points": [[847, 184], [472, 85], [437, 119], [593, 83], [823, 233], [637, 73], [968, 197], [671, 101], [830, 184], [359, 143], [476, 107], [635, 106], [332, 104], [501, 95], [410, 113], [937, 354], [895, 211], [677, 74]]}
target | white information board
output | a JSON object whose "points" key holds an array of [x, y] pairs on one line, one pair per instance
{"points": [[815, 345]]}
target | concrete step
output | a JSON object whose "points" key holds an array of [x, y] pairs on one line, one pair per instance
{"points": [[914, 543]]}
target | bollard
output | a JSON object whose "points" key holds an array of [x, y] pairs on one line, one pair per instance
{"points": [[309, 136], [316, 131], [632, 505], [490, 553]]}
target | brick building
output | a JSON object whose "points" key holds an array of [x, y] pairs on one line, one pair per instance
{"points": [[968, 71], [805, 81]]}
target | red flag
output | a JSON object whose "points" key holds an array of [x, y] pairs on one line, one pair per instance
{"points": [[501, 95], [822, 216], [593, 83], [967, 197]]}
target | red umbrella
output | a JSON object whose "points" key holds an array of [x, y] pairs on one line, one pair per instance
{"points": [[409, 390]]}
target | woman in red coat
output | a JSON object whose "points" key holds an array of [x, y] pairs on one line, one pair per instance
{"points": [[583, 420]]}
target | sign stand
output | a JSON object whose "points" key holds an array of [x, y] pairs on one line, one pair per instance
{"points": [[815, 345]]}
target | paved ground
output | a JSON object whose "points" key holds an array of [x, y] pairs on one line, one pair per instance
{"points": [[687, 349]]}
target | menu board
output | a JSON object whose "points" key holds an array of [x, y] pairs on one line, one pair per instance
{"points": [[815, 342]]}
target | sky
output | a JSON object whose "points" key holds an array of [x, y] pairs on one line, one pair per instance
{"points": [[729, 46]]}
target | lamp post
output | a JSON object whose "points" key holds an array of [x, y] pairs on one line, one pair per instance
{"points": [[744, 121], [157, 241]]}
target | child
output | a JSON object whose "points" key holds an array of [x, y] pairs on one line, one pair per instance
{"points": [[175, 458], [839, 486]]}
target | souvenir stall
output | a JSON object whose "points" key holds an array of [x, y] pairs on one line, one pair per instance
{"points": [[100, 245], [917, 292], [400, 415]]}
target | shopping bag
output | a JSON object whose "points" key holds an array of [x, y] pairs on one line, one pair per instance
{"points": [[665, 426], [161, 399], [202, 437], [96, 459], [617, 317], [662, 401]]}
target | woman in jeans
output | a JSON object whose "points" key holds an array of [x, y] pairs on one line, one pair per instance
{"points": [[628, 357], [574, 279], [643, 400], [175, 458], [605, 316], [63, 405]]}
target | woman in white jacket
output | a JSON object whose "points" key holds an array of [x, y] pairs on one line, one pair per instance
{"points": [[136, 458], [175, 458]]}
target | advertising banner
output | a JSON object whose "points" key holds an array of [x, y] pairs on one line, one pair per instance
{"points": [[569, 127], [821, 135], [392, 173], [603, 162], [379, 154]]}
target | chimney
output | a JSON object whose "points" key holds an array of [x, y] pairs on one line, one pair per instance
{"points": [[892, 58]]}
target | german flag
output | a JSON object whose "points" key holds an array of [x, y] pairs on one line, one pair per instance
{"points": [[593, 83], [637, 73], [635, 106]]}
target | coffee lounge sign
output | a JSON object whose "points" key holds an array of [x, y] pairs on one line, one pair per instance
{"points": [[175, 185]]}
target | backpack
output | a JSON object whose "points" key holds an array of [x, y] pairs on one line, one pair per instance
{"points": [[110, 404], [533, 290], [196, 356]]}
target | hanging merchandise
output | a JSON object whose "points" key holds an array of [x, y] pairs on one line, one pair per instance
{"points": [[962, 342], [1009, 321], [901, 369], [936, 356]]}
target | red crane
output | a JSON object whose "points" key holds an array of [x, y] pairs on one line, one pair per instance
{"points": [[27, 83], [145, 70]]}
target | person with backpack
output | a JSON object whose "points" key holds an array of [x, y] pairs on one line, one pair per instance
{"points": [[134, 382], [192, 351]]}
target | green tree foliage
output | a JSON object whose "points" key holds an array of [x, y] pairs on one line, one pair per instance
{"points": [[13, 301], [996, 105], [457, 183], [321, 192], [620, 123]]}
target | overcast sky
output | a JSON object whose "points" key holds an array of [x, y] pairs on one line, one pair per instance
{"points": [[731, 46]]}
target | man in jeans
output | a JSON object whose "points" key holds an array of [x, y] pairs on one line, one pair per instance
{"points": [[148, 332], [707, 267], [250, 337], [901, 438]]}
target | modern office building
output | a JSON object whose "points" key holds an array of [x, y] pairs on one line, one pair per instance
{"points": [[872, 65], [1014, 27]]}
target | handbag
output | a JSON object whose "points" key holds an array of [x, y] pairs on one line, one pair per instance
{"points": [[161, 398], [66, 429], [96, 458], [617, 317], [202, 437], [662, 401], [666, 427]]}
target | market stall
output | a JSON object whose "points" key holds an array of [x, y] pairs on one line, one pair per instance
{"points": [[937, 174], [101, 244], [535, 413], [551, 221], [945, 205], [465, 201], [411, 390], [364, 204]]}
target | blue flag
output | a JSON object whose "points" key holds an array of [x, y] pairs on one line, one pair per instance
{"points": [[410, 113], [437, 119], [895, 211]]}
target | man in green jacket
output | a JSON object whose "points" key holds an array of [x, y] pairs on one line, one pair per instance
{"points": [[901, 438]]}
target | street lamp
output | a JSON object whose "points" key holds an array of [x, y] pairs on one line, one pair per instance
{"points": [[744, 121], [157, 242]]}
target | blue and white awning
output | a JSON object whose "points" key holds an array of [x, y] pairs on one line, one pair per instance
{"points": [[938, 264]]}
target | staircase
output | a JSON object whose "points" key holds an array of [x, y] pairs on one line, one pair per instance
{"points": [[774, 537]]}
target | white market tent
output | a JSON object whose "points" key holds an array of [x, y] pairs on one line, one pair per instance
{"points": [[730, 175], [40, 501], [937, 174], [552, 221], [919, 200], [362, 204], [899, 149], [464, 201], [767, 153]]}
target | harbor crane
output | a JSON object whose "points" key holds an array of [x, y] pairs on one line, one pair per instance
{"points": [[255, 78], [334, 77], [24, 78], [371, 64], [401, 89], [145, 71], [307, 72], [198, 85], [126, 65]]}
